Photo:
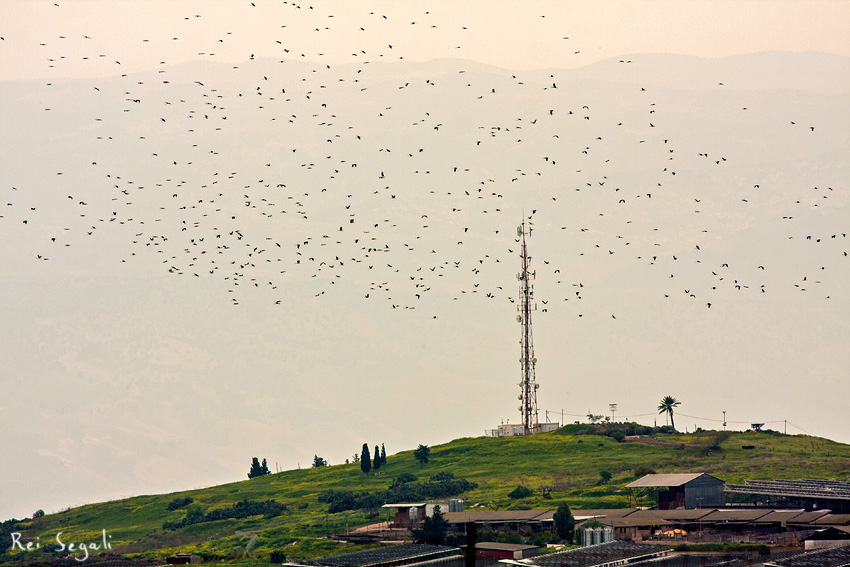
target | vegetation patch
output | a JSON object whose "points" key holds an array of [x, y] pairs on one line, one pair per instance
{"points": [[242, 509], [440, 485], [178, 503]]}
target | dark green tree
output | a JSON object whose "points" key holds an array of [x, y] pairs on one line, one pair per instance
{"points": [[258, 469], [666, 406], [422, 454], [604, 477], [365, 459], [433, 529], [565, 524], [376, 462], [319, 462], [383, 455], [520, 492]]}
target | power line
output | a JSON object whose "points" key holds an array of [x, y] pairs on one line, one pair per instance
{"points": [[710, 419], [801, 429]]}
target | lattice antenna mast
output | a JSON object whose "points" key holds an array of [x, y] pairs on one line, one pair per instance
{"points": [[528, 385]]}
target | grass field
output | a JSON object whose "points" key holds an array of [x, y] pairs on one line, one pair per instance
{"points": [[562, 465]]}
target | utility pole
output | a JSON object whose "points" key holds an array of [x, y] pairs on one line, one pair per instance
{"points": [[613, 408], [528, 384], [724, 420]]}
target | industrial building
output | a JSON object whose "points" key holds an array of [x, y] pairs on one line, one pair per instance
{"points": [[683, 490], [408, 515], [513, 429], [503, 520]]}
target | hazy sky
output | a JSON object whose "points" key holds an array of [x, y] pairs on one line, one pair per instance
{"points": [[512, 35], [126, 378]]}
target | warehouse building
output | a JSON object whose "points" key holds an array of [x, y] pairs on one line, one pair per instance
{"points": [[683, 490]]}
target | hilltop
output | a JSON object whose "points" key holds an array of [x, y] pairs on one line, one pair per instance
{"points": [[562, 465]]}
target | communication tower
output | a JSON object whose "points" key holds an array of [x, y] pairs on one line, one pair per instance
{"points": [[528, 385]]}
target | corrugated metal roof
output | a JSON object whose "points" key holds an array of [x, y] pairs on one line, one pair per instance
{"points": [[498, 546], [735, 515], [694, 514], [809, 517], [531, 515], [834, 519], [602, 512], [491, 516], [630, 522], [664, 480], [386, 555], [609, 553], [779, 516]]}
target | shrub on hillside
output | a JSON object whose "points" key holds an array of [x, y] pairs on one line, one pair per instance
{"points": [[342, 500], [403, 478], [520, 492], [442, 476], [716, 440], [178, 503], [243, 509]]}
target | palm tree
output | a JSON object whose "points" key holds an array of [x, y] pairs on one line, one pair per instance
{"points": [[666, 406]]}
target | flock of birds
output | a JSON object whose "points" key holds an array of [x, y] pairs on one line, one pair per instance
{"points": [[407, 180]]}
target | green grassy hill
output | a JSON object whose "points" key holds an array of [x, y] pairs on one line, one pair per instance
{"points": [[563, 465]]}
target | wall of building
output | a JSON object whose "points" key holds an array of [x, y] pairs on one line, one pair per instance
{"points": [[704, 492]]}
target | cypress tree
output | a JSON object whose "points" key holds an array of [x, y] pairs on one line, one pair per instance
{"points": [[376, 462], [365, 459], [383, 455], [565, 524], [256, 468]]}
